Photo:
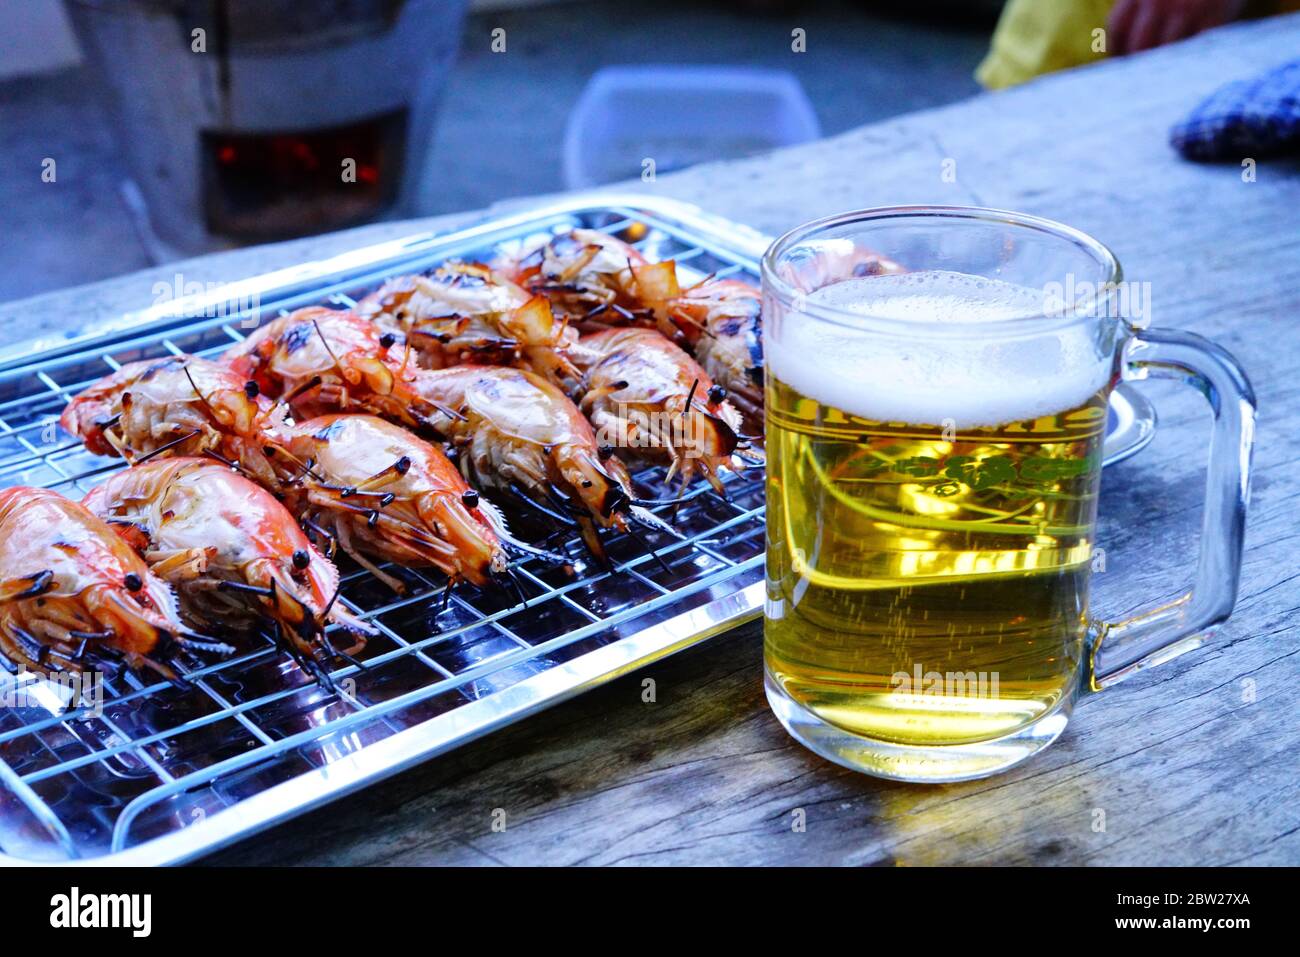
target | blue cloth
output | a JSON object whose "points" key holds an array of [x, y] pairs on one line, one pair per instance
{"points": [[1256, 118]]}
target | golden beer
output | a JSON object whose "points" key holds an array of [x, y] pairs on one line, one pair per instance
{"points": [[928, 573], [939, 381]]}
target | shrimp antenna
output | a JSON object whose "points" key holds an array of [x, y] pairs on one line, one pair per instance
{"points": [[527, 500], [300, 388], [519, 588], [322, 533], [508, 574], [650, 550], [497, 522], [438, 407], [703, 329], [308, 467], [559, 498], [340, 653], [305, 662], [166, 447], [338, 365], [451, 414], [620, 497], [330, 604], [244, 587], [316, 670], [202, 398], [229, 463], [690, 397]]}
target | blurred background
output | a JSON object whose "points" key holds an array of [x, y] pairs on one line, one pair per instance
{"points": [[140, 131]]}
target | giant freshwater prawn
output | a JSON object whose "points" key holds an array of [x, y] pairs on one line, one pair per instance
{"points": [[391, 432]]}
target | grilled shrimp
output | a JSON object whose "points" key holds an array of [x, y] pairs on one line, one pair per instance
{"points": [[180, 405], [381, 492], [585, 273], [520, 434], [73, 594], [721, 321], [234, 554], [328, 360], [861, 262], [465, 312], [646, 395], [836, 265]]}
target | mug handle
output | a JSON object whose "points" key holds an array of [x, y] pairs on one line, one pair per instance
{"points": [[1121, 649]]}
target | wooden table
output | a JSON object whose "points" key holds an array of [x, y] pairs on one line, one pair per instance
{"points": [[1192, 763]]}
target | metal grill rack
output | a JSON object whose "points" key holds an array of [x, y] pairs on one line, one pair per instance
{"points": [[162, 774]]}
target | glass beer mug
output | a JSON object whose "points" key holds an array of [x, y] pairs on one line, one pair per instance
{"points": [[937, 387]]}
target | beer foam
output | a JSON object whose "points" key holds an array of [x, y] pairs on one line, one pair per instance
{"points": [[971, 381]]}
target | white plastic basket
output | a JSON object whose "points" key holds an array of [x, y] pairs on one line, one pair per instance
{"points": [[676, 116]]}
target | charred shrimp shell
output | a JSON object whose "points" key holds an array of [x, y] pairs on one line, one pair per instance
{"points": [[234, 554], [521, 435], [463, 312], [645, 395], [177, 406], [720, 319], [585, 274], [380, 492], [320, 360], [74, 596]]}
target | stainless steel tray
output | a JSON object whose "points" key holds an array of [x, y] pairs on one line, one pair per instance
{"points": [[162, 775]]}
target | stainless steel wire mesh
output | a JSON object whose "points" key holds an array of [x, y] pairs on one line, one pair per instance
{"points": [[158, 761]]}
